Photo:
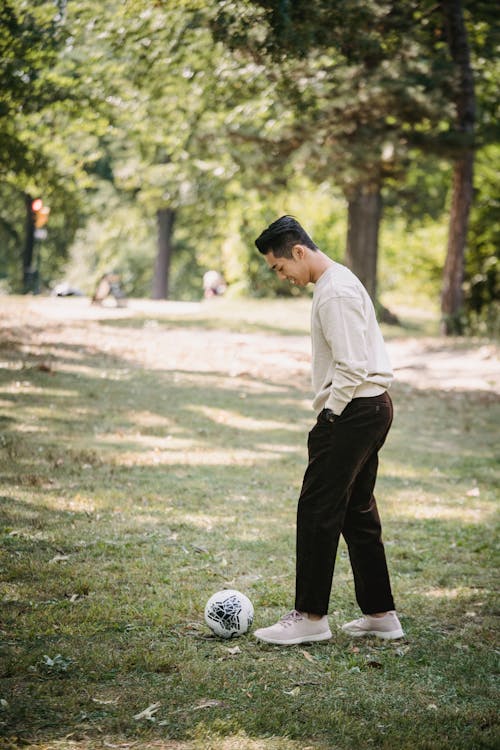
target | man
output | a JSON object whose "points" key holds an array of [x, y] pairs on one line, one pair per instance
{"points": [[350, 375]]}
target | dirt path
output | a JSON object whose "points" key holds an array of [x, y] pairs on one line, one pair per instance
{"points": [[38, 326]]}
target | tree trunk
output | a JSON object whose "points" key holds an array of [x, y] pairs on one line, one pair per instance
{"points": [[29, 247], [166, 218], [452, 294], [364, 214]]}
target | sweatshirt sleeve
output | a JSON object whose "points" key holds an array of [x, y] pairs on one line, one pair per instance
{"points": [[343, 322]]}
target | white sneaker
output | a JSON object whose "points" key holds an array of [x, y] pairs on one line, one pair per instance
{"points": [[387, 626], [295, 628]]}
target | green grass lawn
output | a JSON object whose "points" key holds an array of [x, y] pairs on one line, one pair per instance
{"points": [[141, 473]]}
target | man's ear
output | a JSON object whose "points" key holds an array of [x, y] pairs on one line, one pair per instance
{"points": [[298, 252]]}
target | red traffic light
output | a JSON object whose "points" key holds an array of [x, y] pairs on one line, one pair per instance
{"points": [[40, 213]]}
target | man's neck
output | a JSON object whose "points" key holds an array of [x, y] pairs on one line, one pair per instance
{"points": [[320, 263]]}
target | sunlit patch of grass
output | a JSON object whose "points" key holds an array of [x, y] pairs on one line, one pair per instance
{"points": [[451, 593], [241, 422], [190, 456], [206, 738], [411, 503]]}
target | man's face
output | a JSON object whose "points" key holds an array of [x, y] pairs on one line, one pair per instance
{"points": [[294, 269]]}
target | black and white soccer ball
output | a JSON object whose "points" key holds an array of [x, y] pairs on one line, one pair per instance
{"points": [[229, 613]]}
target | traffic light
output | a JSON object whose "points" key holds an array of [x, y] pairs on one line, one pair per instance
{"points": [[40, 213]]}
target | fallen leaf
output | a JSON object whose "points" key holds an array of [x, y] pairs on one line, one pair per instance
{"points": [[307, 655], [295, 691], [233, 651], [208, 703], [59, 558], [148, 712], [474, 492]]}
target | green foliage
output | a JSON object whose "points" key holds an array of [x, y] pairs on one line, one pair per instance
{"points": [[45, 142], [482, 280], [230, 114], [118, 236], [411, 259], [11, 235], [30, 37], [423, 195], [364, 80]]}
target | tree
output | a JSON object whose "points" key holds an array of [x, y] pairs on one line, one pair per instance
{"points": [[364, 214], [166, 218], [28, 47], [461, 200], [30, 37], [363, 89], [188, 126], [45, 107], [167, 152]]}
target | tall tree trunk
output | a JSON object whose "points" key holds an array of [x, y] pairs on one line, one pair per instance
{"points": [[452, 295], [29, 247], [364, 214], [452, 292], [165, 218]]}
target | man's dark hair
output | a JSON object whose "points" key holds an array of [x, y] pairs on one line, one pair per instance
{"points": [[280, 237]]}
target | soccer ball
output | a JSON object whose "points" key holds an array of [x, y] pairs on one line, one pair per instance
{"points": [[229, 613]]}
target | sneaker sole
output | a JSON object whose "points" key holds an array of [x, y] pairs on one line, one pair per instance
{"points": [[296, 641], [388, 635]]}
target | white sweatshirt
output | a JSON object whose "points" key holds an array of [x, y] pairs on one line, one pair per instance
{"points": [[349, 358]]}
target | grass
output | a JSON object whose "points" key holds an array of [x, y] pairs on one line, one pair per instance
{"points": [[142, 471]]}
